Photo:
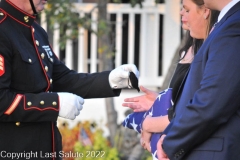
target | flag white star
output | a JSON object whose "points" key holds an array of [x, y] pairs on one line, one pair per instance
{"points": [[151, 113], [126, 120], [159, 97], [154, 155], [134, 125]]}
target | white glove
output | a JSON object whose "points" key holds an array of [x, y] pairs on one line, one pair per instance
{"points": [[70, 105], [119, 77]]}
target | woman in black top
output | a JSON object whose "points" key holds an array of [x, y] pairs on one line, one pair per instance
{"points": [[144, 102]]}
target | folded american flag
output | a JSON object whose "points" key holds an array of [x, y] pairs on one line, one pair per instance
{"points": [[159, 108]]}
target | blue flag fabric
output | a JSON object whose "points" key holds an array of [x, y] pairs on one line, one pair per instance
{"points": [[159, 108]]}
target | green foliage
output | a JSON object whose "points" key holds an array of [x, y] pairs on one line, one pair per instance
{"points": [[97, 146], [103, 27], [99, 150], [147, 156], [65, 14], [135, 2]]}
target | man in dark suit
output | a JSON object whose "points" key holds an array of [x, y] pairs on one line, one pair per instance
{"points": [[205, 125], [36, 87]]}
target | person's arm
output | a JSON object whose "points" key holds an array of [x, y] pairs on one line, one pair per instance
{"points": [[91, 85], [95, 85], [152, 125], [155, 124]]}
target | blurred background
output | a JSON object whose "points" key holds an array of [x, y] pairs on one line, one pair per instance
{"points": [[97, 35]]}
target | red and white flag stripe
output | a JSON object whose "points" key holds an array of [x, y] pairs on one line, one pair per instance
{"points": [[2, 69]]}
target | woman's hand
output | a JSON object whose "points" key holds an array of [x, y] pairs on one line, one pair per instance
{"points": [[145, 140], [141, 103]]}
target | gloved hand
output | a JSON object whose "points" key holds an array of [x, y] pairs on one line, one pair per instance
{"points": [[119, 77], [70, 105]]}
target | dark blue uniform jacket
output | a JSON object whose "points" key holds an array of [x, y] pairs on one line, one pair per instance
{"points": [[30, 76]]}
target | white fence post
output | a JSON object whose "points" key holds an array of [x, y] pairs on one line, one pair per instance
{"points": [[56, 36], [93, 60], [172, 34], [131, 40], [69, 52], [118, 56], [82, 48], [149, 48], [44, 21]]}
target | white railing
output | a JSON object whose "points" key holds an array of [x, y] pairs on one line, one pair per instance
{"points": [[148, 44]]}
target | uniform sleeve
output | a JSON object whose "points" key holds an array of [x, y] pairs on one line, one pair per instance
{"points": [[86, 85], [17, 106]]}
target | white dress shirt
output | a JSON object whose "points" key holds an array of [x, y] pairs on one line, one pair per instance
{"points": [[227, 8]]}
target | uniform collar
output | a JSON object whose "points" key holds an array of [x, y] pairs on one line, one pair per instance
{"points": [[16, 13]]}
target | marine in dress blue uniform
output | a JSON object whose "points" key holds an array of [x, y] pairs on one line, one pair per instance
{"points": [[30, 77]]}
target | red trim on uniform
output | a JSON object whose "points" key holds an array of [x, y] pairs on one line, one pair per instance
{"points": [[5, 15], [53, 141], [37, 108], [20, 9], [17, 20], [39, 58], [13, 5], [2, 66], [37, 22], [14, 104]]}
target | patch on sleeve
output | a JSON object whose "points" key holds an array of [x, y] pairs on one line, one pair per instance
{"points": [[2, 68], [14, 104]]}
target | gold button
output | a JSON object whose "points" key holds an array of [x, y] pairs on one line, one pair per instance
{"points": [[26, 18], [33, 30], [51, 81], [1, 14], [37, 43], [46, 68], [29, 60], [54, 103], [17, 123], [29, 103], [51, 59], [42, 55], [42, 102]]}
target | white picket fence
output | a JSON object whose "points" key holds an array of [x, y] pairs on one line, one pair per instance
{"points": [[149, 38], [148, 45]]}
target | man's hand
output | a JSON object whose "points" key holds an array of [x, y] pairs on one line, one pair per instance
{"points": [[141, 103], [160, 152], [70, 105], [119, 77]]}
